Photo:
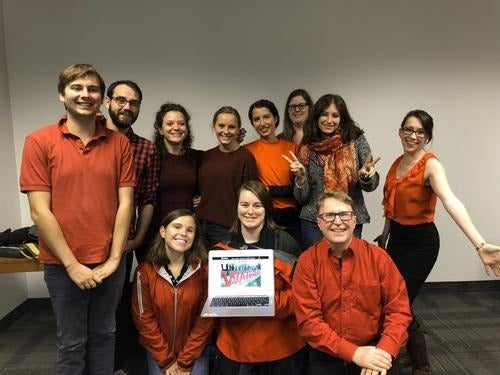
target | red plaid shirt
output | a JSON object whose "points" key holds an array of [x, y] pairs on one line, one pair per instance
{"points": [[147, 169]]}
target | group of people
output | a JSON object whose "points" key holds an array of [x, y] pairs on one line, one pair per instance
{"points": [[97, 190]]}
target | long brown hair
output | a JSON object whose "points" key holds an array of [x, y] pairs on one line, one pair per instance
{"points": [[159, 139], [349, 130], [157, 253]]}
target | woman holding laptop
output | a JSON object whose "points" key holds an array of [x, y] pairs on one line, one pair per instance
{"points": [[261, 345]]}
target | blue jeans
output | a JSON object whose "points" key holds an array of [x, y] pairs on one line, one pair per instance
{"points": [[312, 234], [85, 321], [200, 366], [212, 233], [291, 365]]}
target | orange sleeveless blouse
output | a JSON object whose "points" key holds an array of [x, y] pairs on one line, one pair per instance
{"points": [[408, 200]]}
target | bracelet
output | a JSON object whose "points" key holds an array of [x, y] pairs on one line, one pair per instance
{"points": [[478, 247]]}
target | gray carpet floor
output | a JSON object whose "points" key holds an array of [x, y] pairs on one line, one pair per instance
{"points": [[462, 322]]}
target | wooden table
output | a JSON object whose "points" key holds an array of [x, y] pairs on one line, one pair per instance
{"points": [[10, 265]]}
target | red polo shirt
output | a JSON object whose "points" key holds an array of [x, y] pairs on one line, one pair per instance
{"points": [[83, 182]]}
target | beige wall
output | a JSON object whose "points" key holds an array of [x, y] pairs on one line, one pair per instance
{"points": [[14, 287]]}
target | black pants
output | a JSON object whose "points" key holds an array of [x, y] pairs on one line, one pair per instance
{"points": [[288, 218], [292, 365], [414, 249], [321, 363]]}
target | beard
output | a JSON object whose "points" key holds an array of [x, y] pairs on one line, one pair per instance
{"points": [[123, 122]]}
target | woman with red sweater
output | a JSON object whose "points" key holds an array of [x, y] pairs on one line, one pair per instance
{"points": [[170, 288], [222, 171]]}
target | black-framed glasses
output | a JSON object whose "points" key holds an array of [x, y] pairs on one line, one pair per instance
{"points": [[300, 107], [330, 216], [420, 133], [121, 101]]}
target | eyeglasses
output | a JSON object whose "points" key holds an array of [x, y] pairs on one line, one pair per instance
{"points": [[330, 216], [300, 107], [121, 101], [420, 133]]}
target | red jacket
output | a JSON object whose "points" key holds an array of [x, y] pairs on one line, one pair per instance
{"points": [[167, 317], [341, 305], [264, 339]]}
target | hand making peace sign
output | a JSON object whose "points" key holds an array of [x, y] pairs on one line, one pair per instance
{"points": [[368, 168], [296, 167]]}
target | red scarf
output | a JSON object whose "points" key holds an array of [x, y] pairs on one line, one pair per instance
{"points": [[337, 159]]}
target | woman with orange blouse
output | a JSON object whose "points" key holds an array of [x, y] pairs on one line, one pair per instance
{"points": [[413, 184]]}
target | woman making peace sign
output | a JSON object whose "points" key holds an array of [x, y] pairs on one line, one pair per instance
{"points": [[336, 156]]}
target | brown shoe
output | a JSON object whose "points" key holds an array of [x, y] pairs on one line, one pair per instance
{"points": [[404, 360], [426, 370], [417, 350]]}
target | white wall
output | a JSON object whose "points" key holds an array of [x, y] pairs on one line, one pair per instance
{"points": [[14, 287], [384, 57]]}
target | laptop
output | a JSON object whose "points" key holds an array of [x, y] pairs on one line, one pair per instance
{"points": [[240, 283]]}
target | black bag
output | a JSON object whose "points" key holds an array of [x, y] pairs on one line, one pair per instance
{"points": [[20, 243]]}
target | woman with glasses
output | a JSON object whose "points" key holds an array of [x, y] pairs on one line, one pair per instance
{"points": [[274, 170], [336, 156], [414, 182], [261, 345], [222, 171], [298, 109]]}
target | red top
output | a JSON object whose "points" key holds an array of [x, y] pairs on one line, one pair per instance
{"points": [[167, 317], [409, 200], [219, 179], [343, 304], [274, 170], [264, 339], [83, 182]]}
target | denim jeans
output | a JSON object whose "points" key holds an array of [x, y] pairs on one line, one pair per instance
{"points": [[312, 234], [212, 233], [200, 366], [291, 365], [85, 321]]}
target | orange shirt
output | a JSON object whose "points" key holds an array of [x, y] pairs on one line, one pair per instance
{"points": [[273, 169], [345, 303], [409, 200], [83, 182]]}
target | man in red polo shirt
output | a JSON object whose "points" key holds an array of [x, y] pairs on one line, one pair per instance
{"points": [[79, 177], [352, 307]]}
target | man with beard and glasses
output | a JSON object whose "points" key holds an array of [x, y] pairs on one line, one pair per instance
{"points": [[79, 178], [123, 101]]}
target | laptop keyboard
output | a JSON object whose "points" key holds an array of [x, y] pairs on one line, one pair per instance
{"points": [[239, 301]]}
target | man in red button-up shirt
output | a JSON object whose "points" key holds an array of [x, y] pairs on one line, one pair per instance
{"points": [[351, 302]]}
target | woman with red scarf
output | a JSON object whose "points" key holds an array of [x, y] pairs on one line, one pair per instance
{"points": [[336, 156]]}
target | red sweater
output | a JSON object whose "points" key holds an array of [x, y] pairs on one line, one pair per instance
{"points": [[220, 177]]}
